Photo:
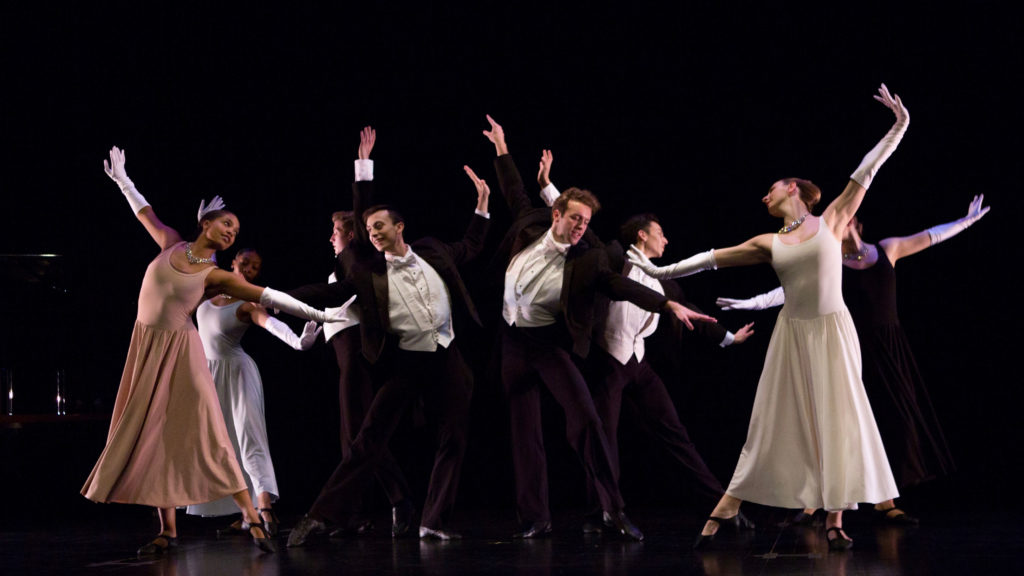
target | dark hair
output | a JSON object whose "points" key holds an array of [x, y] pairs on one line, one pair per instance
{"points": [[396, 217], [211, 216], [631, 228], [810, 194], [347, 219], [580, 195], [247, 251]]}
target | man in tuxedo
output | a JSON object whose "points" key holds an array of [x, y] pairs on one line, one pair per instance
{"points": [[618, 370], [552, 277], [410, 298], [355, 384], [621, 374]]}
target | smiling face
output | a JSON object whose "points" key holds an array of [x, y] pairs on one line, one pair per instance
{"points": [[385, 235], [248, 264], [570, 226], [221, 230]]}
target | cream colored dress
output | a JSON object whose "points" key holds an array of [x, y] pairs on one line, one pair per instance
{"points": [[812, 441], [167, 445]]}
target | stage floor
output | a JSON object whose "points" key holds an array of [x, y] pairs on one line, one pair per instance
{"points": [[947, 542]]}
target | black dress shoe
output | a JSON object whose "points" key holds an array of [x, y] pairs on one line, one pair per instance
{"points": [[306, 528], [401, 519], [535, 530], [261, 537], [620, 523], [438, 534]]}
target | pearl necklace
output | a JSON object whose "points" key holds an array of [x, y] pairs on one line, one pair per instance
{"points": [[194, 260], [794, 224], [858, 255]]}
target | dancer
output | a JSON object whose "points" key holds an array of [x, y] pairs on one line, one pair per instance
{"points": [[552, 277], [412, 300], [356, 388], [910, 430], [618, 370], [167, 445], [223, 320], [812, 440]]}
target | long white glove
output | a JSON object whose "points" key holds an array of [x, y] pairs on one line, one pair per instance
{"points": [[216, 204], [880, 153], [309, 333], [944, 232], [692, 265], [279, 300], [760, 302], [115, 170]]}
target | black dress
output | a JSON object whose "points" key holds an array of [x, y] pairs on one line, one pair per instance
{"points": [[910, 431]]}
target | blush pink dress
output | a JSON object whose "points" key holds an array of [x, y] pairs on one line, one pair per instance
{"points": [[167, 445]]}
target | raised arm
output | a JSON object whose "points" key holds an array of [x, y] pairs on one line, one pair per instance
{"points": [[497, 137], [839, 212], [896, 248], [163, 235], [362, 187]]}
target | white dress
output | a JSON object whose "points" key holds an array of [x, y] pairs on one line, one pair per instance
{"points": [[812, 441], [240, 391]]}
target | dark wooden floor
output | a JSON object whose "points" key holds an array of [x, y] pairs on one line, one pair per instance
{"points": [[950, 540]]}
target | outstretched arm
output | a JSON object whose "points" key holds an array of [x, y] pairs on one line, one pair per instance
{"points": [[776, 297], [839, 212], [757, 250], [896, 248], [224, 282], [548, 192], [362, 187], [283, 332], [163, 235]]}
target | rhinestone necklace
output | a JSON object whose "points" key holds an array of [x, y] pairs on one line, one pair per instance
{"points": [[794, 224], [194, 260]]}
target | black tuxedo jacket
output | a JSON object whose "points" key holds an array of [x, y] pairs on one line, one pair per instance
{"points": [[362, 270], [586, 272]]}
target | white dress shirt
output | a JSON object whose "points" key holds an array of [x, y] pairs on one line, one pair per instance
{"points": [[628, 324], [533, 283], [419, 305]]}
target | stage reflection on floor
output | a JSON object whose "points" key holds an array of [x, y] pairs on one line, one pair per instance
{"points": [[945, 543]]}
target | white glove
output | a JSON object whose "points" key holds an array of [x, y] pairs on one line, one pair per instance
{"points": [[115, 170], [340, 314], [692, 265], [280, 301], [309, 333], [880, 153], [946, 231], [216, 204], [760, 302]]}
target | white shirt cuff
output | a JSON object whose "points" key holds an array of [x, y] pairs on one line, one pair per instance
{"points": [[364, 170]]}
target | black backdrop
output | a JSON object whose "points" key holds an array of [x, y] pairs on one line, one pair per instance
{"points": [[690, 111]]}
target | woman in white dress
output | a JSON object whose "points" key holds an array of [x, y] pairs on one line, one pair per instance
{"points": [[812, 440], [222, 321]]}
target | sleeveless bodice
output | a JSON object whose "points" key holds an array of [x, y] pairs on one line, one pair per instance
{"points": [[871, 293], [811, 274], [220, 329], [168, 296]]}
